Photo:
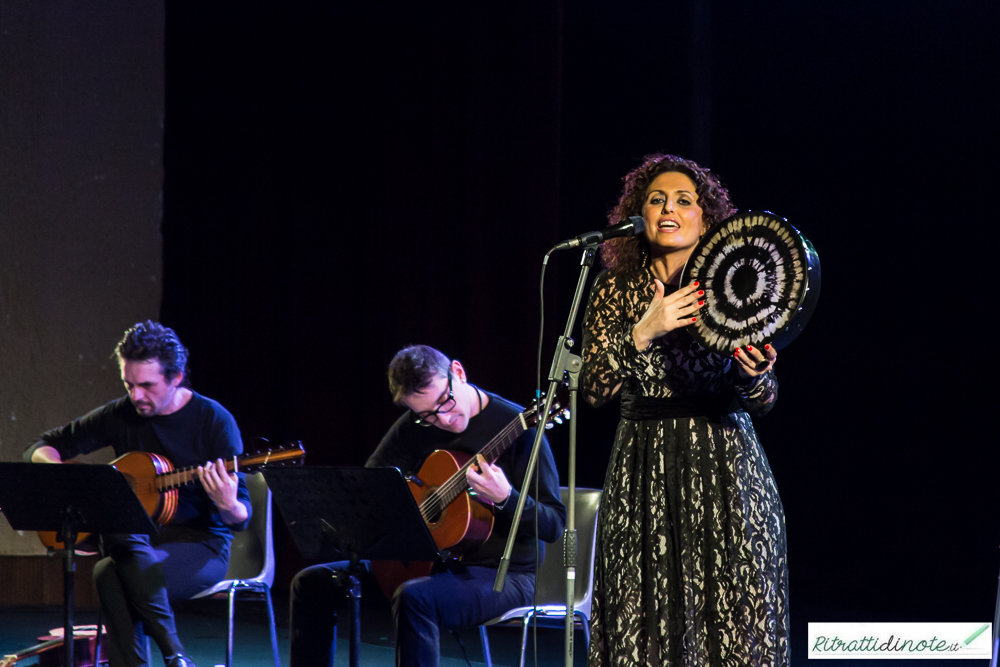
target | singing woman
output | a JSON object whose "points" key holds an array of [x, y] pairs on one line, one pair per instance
{"points": [[691, 554]]}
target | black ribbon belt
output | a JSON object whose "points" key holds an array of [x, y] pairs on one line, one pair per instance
{"points": [[638, 408]]}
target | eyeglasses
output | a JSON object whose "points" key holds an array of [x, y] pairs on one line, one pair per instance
{"points": [[430, 418]]}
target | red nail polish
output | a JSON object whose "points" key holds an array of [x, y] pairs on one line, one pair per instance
{"points": [[750, 348], [694, 319], [701, 303], [696, 283], [737, 352], [767, 347], [701, 293]]}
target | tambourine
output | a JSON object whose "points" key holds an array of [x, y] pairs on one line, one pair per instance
{"points": [[761, 279]]}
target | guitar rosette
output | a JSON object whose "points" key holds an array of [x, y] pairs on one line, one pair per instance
{"points": [[761, 278]]}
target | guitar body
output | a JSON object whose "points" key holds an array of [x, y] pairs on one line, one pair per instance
{"points": [[49, 650], [464, 524], [140, 470], [468, 521]]}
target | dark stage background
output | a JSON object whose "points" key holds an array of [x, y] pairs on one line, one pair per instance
{"points": [[342, 180]]}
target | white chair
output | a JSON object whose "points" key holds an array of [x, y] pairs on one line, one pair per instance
{"points": [[550, 580], [251, 564]]}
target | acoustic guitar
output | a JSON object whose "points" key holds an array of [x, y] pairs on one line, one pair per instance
{"points": [[155, 481], [459, 519], [84, 649]]}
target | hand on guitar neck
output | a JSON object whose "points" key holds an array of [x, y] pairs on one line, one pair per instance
{"points": [[221, 487], [488, 480]]}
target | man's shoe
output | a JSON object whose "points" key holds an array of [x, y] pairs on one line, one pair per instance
{"points": [[179, 660]]}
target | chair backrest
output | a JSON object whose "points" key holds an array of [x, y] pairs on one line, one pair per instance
{"points": [[550, 582], [251, 555]]}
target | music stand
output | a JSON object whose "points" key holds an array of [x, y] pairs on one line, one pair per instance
{"points": [[352, 514], [70, 499]]}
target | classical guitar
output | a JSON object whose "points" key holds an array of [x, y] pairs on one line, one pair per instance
{"points": [[459, 520], [84, 645], [155, 481]]}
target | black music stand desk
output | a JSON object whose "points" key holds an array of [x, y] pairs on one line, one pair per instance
{"points": [[352, 514], [68, 500]]}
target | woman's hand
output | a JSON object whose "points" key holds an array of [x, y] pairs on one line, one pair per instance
{"points": [[666, 313], [752, 362]]}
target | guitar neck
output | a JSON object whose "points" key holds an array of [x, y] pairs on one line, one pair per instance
{"points": [[458, 483], [184, 476], [178, 478]]}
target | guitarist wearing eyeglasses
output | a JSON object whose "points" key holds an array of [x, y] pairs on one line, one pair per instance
{"points": [[143, 575], [444, 411]]}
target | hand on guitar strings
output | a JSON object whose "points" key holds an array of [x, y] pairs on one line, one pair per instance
{"points": [[666, 313], [751, 361], [488, 480], [221, 487]]}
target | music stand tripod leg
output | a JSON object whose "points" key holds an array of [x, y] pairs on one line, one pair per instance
{"points": [[352, 587], [68, 534]]}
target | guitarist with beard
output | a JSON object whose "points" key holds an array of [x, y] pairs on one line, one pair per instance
{"points": [[444, 412], [143, 575]]}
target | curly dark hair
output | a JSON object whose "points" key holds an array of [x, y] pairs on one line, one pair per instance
{"points": [[152, 340], [414, 368], [629, 254]]}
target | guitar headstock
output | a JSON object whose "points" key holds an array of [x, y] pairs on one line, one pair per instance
{"points": [[291, 454], [556, 415]]}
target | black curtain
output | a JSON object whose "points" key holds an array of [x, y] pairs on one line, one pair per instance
{"points": [[344, 180]]}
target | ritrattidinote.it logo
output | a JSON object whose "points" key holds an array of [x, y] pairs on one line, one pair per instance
{"points": [[900, 640]]}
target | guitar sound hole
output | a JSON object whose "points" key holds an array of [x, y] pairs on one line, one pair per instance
{"points": [[131, 481], [433, 517]]}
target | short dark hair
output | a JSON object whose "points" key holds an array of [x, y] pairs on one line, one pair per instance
{"points": [[414, 368], [151, 340]]}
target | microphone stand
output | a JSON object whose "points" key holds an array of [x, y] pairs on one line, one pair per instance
{"points": [[563, 363]]}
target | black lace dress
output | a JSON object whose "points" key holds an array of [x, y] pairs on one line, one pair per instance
{"points": [[691, 552]]}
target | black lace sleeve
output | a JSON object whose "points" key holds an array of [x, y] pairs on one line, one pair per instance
{"points": [[759, 395], [609, 353]]}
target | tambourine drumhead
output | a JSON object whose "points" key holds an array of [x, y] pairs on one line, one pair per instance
{"points": [[761, 279]]}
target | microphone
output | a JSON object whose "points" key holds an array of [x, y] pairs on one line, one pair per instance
{"points": [[636, 224]]}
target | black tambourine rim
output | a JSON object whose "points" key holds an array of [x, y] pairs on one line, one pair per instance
{"points": [[761, 278]]}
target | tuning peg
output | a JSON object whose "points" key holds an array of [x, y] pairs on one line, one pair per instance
{"points": [[549, 425]]}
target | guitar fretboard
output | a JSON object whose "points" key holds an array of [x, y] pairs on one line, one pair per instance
{"points": [[178, 478], [440, 498]]}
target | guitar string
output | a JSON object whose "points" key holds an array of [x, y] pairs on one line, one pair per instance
{"points": [[441, 497], [436, 500], [245, 461]]}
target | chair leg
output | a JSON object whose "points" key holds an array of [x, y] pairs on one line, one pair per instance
{"points": [[232, 613], [524, 635], [586, 630], [486, 646], [274, 631]]}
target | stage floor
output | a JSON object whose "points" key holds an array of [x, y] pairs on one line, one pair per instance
{"points": [[202, 629]]}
